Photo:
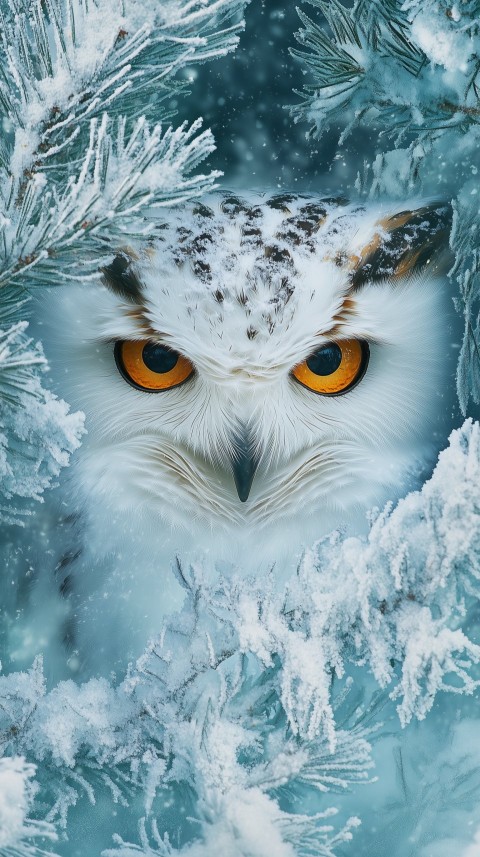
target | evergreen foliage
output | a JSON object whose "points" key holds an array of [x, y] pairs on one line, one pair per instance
{"points": [[249, 707], [38, 432], [255, 709], [20, 836], [409, 73]]}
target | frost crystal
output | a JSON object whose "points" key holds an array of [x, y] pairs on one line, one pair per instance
{"points": [[17, 832], [37, 432]]}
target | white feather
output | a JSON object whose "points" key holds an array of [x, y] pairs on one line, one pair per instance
{"points": [[153, 478]]}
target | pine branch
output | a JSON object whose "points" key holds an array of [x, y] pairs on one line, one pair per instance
{"points": [[330, 62], [64, 65], [37, 432], [466, 272], [19, 834], [120, 180], [311, 838], [409, 71], [222, 713], [152, 844]]}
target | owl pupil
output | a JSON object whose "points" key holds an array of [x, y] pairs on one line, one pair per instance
{"points": [[159, 358], [326, 360]]}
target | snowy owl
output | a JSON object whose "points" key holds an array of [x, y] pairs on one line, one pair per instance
{"points": [[257, 372]]}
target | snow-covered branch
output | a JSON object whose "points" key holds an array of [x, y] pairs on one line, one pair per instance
{"points": [[120, 179], [410, 73], [66, 63], [19, 834], [249, 694], [37, 432]]}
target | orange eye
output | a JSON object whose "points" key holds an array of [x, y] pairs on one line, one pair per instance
{"points": [[334, 368], [151, 366]]}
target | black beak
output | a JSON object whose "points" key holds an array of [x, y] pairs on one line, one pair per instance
{"points": [[244, 465]]}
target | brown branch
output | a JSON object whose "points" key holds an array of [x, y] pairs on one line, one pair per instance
{"points": [[460, 108]]}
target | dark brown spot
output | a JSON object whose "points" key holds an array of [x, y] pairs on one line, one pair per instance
{"points": [[281, 201], [201, 242], [251, 235], [290, 235], [202, 270], [295, 230], [314, 214], [233, 205], [277, 254], [251, 332], [203, 210], [404, 243], [121, 280], [183, 233], [335, 200]]}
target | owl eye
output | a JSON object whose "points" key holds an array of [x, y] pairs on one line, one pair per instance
{"points": [[334, 368], [151, 366]]}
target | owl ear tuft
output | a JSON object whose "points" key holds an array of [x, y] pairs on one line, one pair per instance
{"points": [[405, 242], [121, 280]]}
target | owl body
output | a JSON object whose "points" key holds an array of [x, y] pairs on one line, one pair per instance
{"points": [[263, 441]]}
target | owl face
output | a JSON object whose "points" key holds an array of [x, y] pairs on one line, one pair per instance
{"points": [[273, 365]]}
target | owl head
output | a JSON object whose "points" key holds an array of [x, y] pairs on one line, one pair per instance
{"points": [[271, 366]]}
